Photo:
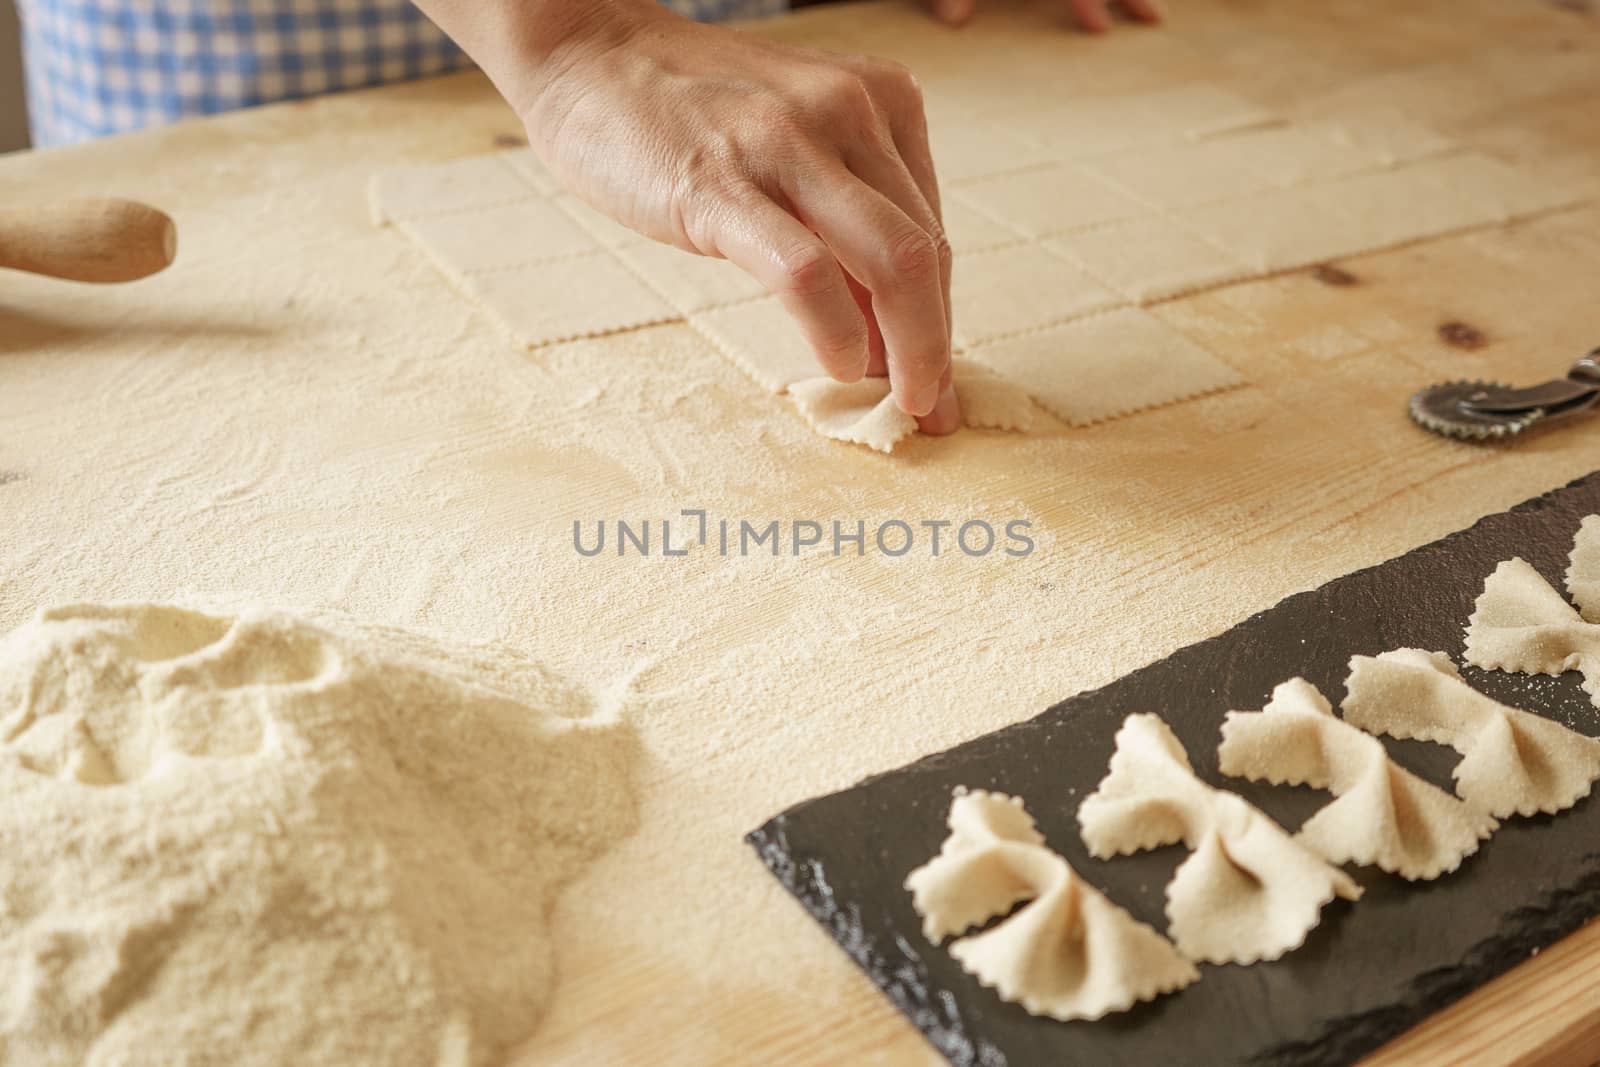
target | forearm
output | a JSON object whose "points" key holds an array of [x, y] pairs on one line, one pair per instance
{"points": [[521, 44]]}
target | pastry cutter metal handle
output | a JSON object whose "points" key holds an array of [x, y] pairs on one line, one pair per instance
{"points": [[1489, 410]]}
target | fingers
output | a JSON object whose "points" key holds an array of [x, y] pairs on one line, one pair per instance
{"points": [[1094, 16], [946, 414], [952, 12], [902, 168], [877, 363], [908, 126], [897, 260], [1091, 14], [795, 264]]}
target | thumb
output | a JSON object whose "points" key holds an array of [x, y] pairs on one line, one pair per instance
{"points": [[952, 12]]}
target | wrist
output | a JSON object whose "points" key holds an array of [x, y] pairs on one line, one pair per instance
{"points": [[539, 41]]}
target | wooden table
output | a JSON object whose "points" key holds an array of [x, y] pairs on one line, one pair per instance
{"points": [[337, 467]]}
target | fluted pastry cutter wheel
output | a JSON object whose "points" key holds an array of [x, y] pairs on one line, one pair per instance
{"points": [[1487, 411]]}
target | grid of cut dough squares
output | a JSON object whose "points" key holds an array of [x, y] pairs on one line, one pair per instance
{"points": [[1066, 219]]}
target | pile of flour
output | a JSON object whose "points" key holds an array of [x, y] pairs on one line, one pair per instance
{"points": [[269, 839]]}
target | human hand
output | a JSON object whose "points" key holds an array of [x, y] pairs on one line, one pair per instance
{"points": [[1092, 15], [809, 170]]}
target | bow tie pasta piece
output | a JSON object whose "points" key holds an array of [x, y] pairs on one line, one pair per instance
{"points": [[1069, 953], [1248, 891], [1381, 815], [1513, 761], [1520, 623], [1583, 569]]}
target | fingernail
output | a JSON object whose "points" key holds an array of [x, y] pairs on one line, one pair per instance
{"points": [[946, 414], [925, 400]]}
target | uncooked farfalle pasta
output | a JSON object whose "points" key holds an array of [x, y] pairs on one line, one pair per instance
{"points": [[1382, 815], [1513, 762], [1069, 953], [1248, 891]]}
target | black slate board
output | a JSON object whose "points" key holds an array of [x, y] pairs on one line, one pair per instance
{"points": [[1369, 971]]}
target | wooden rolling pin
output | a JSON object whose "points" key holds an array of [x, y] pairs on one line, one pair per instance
{"points": [[88, 240]]}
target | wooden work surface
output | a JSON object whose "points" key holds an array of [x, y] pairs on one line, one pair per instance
{"points": [[336, 465]]}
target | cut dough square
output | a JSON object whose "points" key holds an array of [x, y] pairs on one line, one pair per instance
{"points": [[1179, 175], [1504, 191], [1272, 231], [970, 230], [1053, 200], [1023, 287], [437, 188], [580, 296], [692, 283], [967, 149], [1080, 129], [1387, 137], [497, 237], [1149, 259], [762, 339], [1393, 207], [1293, 155], [1107, 365], [603, 228], [527, 166], [1196, 112]]}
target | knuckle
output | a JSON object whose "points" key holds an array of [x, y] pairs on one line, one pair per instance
{"points": [[807, 270], [849, 95], [915, 257], [900, 79], [941, 247], [842, 343]]}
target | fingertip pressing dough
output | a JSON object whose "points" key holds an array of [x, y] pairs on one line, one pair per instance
{"points": [[261, 838], [864, 413], [1513, 762], [1106, 365], [1381, 815], [1248, 891], [1069, 953]]}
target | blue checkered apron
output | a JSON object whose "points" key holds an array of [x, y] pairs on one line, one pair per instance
{"points": [[96, 67]]}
